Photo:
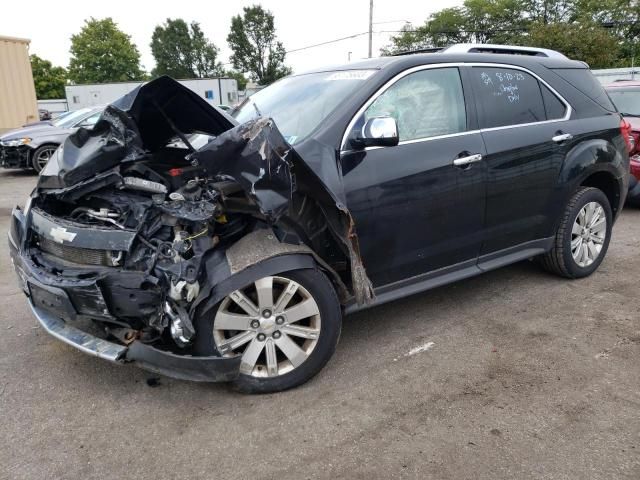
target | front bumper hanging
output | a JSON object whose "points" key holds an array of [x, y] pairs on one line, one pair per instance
{"points": [[56, 314]]}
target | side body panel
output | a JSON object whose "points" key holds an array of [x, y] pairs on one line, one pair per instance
{"points": [[529, 178], [523, 191], [415, 212]]}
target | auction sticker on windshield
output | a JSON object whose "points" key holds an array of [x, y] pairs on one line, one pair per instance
{"points": [[351, 75]]}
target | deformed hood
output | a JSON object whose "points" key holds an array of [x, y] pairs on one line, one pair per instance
{"points": [[141, 122], [155, 105]]}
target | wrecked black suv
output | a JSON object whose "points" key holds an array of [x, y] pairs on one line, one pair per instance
{"points": [[326, 193]]}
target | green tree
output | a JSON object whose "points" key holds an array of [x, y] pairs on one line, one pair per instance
{"points": [[550, 11], [409, 39], [495, 21], [183, 51], [447, 27], [255, 47], [477, 21], [587, 42], [441, 29], [621, 18], [238, 77], [49, 80], [604, 33], [103, 53]]}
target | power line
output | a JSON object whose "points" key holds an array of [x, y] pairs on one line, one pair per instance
{"points": [[336, 40], [355, 35], [443, 32], [328, 42]]}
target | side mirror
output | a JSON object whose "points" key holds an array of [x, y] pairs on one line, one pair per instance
{"points": [[379, 132]]}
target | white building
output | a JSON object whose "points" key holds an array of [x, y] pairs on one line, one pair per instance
{"points": [[216, 91], [55, 107]]}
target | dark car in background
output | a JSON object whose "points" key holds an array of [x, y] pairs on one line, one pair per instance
{"points": [[44, 114], [626, 96], [329, 192], [32, 146]]}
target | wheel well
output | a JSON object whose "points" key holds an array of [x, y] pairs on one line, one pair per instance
{"points": [[48, 144], [608, 185], [33, 152]]}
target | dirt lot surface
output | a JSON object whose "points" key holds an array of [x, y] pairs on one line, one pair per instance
{"points": [[527, 376]]}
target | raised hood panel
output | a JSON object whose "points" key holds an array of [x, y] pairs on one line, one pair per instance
{"points": [[141, 122]]}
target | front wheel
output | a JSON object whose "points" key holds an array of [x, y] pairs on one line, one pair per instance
{"points": [[41, 156], [285, 327], [583, 236]]}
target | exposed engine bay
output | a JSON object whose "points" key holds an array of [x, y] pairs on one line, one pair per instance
{"points": [[136, 224]]}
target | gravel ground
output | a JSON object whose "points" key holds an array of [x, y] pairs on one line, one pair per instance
{"points": [[520, 375]]}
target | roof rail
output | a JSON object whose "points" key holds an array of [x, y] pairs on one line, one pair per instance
{"points": [[420, 50], [503, 49]]}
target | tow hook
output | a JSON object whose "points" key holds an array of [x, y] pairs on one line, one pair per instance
{"points": [[181, 328]]}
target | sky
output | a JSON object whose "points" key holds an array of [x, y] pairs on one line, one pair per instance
{"points": [[50, 24]]}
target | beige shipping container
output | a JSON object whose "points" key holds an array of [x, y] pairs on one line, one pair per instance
{"points": [[18, 103]]}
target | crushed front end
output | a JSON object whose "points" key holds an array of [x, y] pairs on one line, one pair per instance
{"points": [[131, 231], [14, 155], [115, 269]]}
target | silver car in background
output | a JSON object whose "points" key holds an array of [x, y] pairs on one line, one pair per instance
{"points": [[32, 146]]}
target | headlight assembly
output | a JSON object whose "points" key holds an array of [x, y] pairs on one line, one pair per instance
{"points": [[16, 142]]}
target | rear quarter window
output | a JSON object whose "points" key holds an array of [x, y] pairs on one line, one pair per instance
{"points": [[584, 81]]}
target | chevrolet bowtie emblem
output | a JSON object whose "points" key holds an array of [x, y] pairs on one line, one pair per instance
{"points": [[60, 235]]}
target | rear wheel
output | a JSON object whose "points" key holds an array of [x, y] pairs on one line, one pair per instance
{"points": [[583, 236], [285, 327], [41, 156]]}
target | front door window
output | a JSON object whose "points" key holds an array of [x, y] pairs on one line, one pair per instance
{"points": [[428, 103]]}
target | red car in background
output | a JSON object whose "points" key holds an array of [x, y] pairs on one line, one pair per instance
{"points": [[626, 97]]}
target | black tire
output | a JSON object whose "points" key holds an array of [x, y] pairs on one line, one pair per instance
{"points": [[322, 291], [559, 260], [35, 162]]}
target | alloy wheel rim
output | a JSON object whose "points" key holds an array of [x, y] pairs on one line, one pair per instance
{"points": [[588, 234], [273, 323], [44, 156]]}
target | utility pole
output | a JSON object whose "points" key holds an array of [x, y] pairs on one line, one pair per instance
{"points": [[370, 28]]}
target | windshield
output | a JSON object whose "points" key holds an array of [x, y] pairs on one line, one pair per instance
{"points": [[299, 104], [71, 118], [627, 101]]}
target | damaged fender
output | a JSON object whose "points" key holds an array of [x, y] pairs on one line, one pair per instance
{"points": [[263, 164], [255, 155], [257, 255]]}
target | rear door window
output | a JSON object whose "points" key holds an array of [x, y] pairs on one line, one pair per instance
{"points": [[507, 97]]}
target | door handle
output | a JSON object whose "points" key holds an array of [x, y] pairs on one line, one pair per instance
{"points": [[562, 137], [463, 161]]}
